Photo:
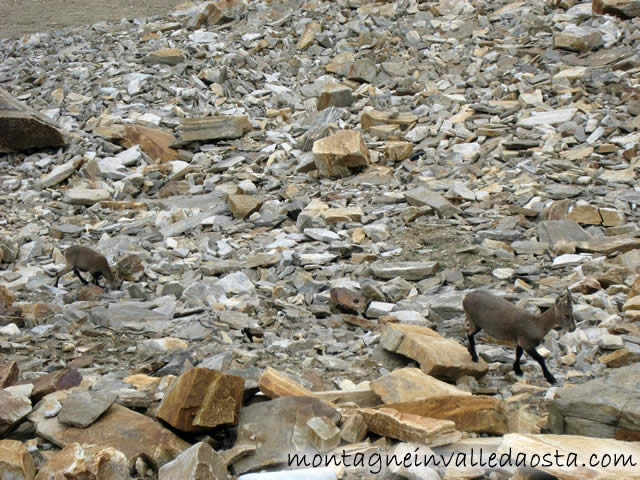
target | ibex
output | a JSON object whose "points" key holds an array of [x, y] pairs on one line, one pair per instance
{"points": [[83, 259], [505, 321]]}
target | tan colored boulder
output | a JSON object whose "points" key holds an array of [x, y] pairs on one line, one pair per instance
{"points": [[242, 205], [85, 462], [336, 154], [396, 151], [202, 398], [437, 356], [16, 462]]}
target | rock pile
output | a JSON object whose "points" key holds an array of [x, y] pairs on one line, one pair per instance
{"points": [[297, 196]]}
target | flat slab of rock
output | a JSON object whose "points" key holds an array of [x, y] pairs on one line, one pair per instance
{"points": [[410, 428], [24, 128], [471, 413], [199, 462], [16, 462], [85, 462], [551, 117], [576, 454], [437, 356], [130, 432], [201, 398], [277, 428], [412, 384], [81, 409], [607, 407], [215, 128], [58, 174], [408, 270]]}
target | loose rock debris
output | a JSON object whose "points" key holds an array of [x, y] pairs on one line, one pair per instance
{"points": [[297, 197]]}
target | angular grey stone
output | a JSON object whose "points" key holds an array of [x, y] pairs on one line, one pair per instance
{"points": [[81, 409], [423, 196]]}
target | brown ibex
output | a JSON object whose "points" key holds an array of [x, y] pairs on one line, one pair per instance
{"points": [[505, 321], [83, 259]]}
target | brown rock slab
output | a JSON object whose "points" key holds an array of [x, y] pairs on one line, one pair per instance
{"points": [[347, 300], [130, 432], [215, 128], [471, 413], [277, 428], [579, 448], [618, 8], [8, 374], [336, 154], [274, 385], [437, 356], [16, 462], [202, 398], [411, 384], [199, 462], [242, 205], [82, 408], [85, 462], [23, 128], [410, 428], [153, 141]]}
